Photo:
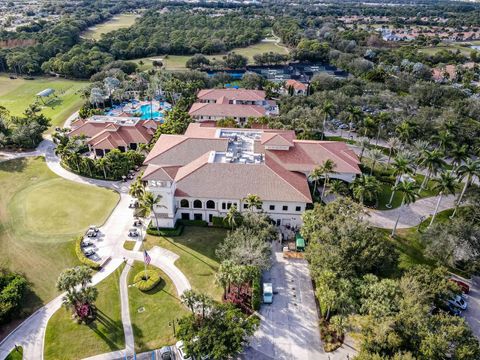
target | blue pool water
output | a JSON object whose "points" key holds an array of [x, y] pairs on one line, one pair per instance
{"points": [[148, 114]]}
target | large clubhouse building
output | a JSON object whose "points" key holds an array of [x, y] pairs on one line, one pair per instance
{"points": [[201, 174], [239, 104]]}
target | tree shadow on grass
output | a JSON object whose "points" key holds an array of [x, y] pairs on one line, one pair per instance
{"points": [[14, 165], [112, 333]]}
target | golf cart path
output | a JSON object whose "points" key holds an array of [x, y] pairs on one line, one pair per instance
{"points": [[31, 332], [411, 215]]}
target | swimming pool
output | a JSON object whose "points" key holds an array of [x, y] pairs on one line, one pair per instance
{"points": [[148, 114]]}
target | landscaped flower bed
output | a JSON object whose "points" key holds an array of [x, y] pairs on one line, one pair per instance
{"points": [[146, 280]]}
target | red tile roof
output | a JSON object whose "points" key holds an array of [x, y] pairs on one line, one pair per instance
{"points": [[231, 94], [226, 110]]}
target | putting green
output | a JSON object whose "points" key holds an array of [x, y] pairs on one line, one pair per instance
{"points": [[55, 210], [40, 213]]}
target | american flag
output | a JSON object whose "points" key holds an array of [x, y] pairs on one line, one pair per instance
{"points": [[146, 257]]}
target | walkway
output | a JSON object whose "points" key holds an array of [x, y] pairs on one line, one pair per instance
{"points": [[411, 215], [31, 332]]}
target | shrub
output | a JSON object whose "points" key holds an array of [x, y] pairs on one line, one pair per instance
{"points": [[81, 256], [176, 231], [12, 292], [218, 221], [201, 223], [256, 293], [146, 280]]}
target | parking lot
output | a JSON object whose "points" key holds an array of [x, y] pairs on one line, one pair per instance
{"points": [[289, 327]]}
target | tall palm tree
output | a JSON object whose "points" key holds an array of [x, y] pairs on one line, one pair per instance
{"points": [[365, 187], [232, 217], [337, 187], [328, 167], [147, 206], [444, 140], [469, 170], [445, 184], [375, 155], [137, 189], [404, 131], [253, 201], [409, 191], [364, 142], [314, 176], [458, 154], [393, 143], [354, 115], [401, 166], [432, 161], [224, 276], [327, 110], [103, 163]]}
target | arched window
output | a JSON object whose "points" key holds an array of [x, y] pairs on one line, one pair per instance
{"points": [[197, 204], [184, 203], [210, 204]]}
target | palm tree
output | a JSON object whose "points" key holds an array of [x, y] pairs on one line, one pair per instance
{"points": [[468, 170], [420, 145], [314, 176], [446, 183], [137, 189], [410, 194], [458, 154], [444, 140], [327, 110], [103, 163], [375, 155], [365, 187], [337, 187], [147, 206], [253, 201], [392, 144], [233, 216], [354, 115], [224, 276], [364, 142], [404, 131], [328, 167], [401, 166], [432, 161]]}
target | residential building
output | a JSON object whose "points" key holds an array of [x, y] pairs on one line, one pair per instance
{"points": [[294, 87], [239, 104], [201, 174], [105, 133]]}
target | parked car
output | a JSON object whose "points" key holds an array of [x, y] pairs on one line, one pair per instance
{"points": [[91, 233], [452, 310], [181, 351], [86, 242], [89, 252], [93, 228], [166, 353], [462, 285], [267, 293], [459, 302], [133, 232], [137, 223]]}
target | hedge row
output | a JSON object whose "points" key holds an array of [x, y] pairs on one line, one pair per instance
{"points": [[81, 256], [201, 223], [176, 231], [256, 293], [146, 280]]}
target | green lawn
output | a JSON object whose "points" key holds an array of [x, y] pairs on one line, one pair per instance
{"points": [[66, 339], [452, 47], [17, 94], [15, 354], [196, 248], [118, 22], [178, 62], [152, 311], [40, 213]]}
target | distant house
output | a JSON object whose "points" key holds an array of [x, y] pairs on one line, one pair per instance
{"points": [[105, 133], [294, 87], [239, 104]]}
